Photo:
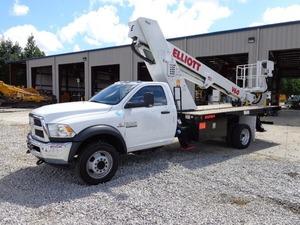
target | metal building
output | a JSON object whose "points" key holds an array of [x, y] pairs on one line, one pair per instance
{"points": [[79, 75]]}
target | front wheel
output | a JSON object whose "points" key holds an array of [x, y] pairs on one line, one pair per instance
{"points": [[241, 136], [97, 163]]}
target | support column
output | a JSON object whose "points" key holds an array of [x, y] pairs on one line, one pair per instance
{"points": [[56, 80]]}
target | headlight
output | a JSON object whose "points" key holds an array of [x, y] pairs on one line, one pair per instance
{"points": [[60, 131]]}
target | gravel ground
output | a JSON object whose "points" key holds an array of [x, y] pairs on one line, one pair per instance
{"points": [[211, 184]]}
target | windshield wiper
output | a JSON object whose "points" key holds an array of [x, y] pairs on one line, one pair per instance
{"points": [[98, 101], [94, 101], [106, 103]]}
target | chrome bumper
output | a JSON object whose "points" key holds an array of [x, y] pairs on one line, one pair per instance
{"points": [[55, 153]]}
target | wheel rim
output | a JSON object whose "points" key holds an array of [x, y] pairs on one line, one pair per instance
{"points": [[99, 164], [245, 136]]}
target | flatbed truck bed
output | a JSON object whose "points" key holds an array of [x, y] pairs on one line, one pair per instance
{"points": [[222, 121], [229, 109]]}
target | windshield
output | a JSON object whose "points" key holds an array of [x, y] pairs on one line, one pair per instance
{"points": [[113, 94]]}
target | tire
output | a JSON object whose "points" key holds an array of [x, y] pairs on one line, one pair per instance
{"points": [[241, 136], [97, 163]]}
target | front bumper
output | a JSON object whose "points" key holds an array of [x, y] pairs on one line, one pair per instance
{"points": [[51, 152]]}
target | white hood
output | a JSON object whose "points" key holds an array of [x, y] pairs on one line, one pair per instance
{"points": [[62, 110]]}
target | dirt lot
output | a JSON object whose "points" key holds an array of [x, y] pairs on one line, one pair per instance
{"points": [[211, 184]]}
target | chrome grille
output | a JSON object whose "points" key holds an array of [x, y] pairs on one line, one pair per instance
{"points": [[38, 128], [39, 133], [37, 122]]}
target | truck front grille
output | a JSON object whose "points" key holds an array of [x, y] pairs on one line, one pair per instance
{"points": [[38, 128], [39, 133], [37, 122]]}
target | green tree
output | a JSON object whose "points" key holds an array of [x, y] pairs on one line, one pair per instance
{"points": [[31, 50], [290, 86], [9, 51]]}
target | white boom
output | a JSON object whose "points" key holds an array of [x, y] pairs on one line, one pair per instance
{"points": [[168, 63]]}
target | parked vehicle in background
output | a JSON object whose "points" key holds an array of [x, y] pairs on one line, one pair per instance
{"points": [[293, 102]]}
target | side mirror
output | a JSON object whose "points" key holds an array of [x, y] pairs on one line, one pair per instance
{"points": [[148, 99]]}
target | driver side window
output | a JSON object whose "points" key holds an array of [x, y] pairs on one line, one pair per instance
{"points": [[157, 91]]}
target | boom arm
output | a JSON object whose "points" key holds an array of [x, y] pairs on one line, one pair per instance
{"points": [[167, 63]]}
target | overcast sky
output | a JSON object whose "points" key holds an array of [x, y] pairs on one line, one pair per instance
{"points": [[73, 25]]}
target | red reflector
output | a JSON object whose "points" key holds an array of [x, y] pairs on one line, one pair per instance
{"points": [[211, 116], [202, 125]]}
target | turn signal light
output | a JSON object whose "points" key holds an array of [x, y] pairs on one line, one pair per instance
{"points": [[202, 125]]}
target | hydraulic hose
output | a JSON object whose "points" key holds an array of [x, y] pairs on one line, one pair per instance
{"points": [[258, 99], [133, 47]]}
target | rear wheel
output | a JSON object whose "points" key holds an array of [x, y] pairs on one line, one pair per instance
{"points": [[97, 163], [241, 136]]}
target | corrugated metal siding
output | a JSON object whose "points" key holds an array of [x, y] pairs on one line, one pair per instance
{"points": [[279, 38], [222, 44], [113, 56], [179, 43]]}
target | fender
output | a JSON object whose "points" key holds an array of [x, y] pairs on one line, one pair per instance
{"points": [[94, 131]]}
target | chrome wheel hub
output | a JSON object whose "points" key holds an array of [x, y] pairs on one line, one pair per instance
{"points": [[99, 164], [245, 136]]}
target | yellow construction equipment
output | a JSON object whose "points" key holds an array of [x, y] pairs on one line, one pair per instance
{"points": [[12, 95]]}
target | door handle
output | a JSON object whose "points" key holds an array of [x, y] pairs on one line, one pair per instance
{"points": [[165, 112]]}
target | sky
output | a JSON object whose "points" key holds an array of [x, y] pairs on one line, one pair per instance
{"points": [[61, 26]]}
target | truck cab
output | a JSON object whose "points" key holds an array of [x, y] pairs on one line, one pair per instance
{"points": [[125, 117]]}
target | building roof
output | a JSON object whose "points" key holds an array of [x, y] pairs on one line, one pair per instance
{"points": [[181, 38]]}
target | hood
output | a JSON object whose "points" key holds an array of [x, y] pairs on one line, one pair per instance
{"points": [[61, 110]]}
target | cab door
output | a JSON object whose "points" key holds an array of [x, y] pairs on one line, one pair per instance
{"points": [[147, 127]]}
